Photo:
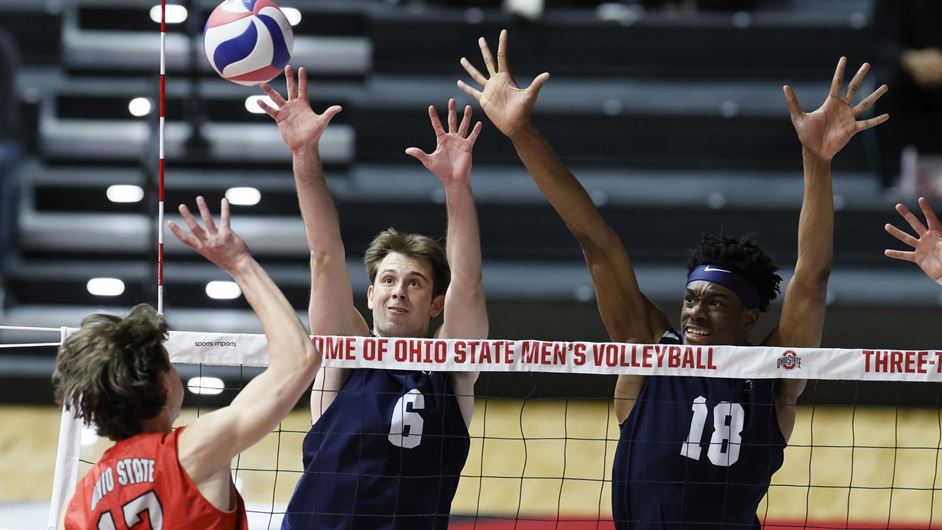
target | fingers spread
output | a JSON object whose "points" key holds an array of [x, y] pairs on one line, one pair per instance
{"points": [[473, 72], [186, 239], [931, 218], [538, 82], [465, 122], [268, 109], [331, 112], [899, 254], [900, 235], [794, 107], [473, 137], [191, 222], [910, 218], [870, 100], [476, 94], [302, 83], [436, 122], [292, 82], [206, 214], [273, 94], [224, 213], [502, 65], [872, 122], [488, 58], [838, 78], [856, 82], [418, 154], [452, 116]]}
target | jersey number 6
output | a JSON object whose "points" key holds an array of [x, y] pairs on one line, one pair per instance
{"points": [[727, 437], [405, 427]]}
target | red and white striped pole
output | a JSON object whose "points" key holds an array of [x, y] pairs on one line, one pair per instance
{"points": [[160, 167]]}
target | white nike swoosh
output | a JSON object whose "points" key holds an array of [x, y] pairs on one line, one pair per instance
{"points": [[714, 269]]}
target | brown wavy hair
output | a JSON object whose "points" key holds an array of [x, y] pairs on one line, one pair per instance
{"points": [[111, 371], [415, 246]]}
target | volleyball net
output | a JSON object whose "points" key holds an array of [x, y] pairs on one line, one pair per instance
{"points": [[543, 458]]}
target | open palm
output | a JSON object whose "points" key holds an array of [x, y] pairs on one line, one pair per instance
{"points": [[219, 245], [824, 132], [505, 104], [451, 160], [927, 246], [298, 124]]}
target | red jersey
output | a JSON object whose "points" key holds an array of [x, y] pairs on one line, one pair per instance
{"points": [[140, 479]]}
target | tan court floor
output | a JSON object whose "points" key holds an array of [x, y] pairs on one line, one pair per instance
{"points": [[889, 458]]}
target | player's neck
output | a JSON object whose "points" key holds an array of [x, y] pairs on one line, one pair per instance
{"points": [[160, 423]]}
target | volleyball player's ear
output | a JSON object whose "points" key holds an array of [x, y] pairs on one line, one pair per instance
{"points": [[750, 318], [438, 305]]}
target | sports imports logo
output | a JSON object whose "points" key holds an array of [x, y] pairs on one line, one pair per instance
{"points": [[789, 360]]}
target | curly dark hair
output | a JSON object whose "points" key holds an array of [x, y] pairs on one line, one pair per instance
{"points": [[741, 255], [111, 371]]}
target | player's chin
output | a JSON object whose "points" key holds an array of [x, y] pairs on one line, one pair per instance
{"points": [[400, 328]]}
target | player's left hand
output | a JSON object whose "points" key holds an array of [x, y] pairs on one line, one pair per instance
{"points": [[927, 246], [824, 132], [507, 105], [451, 160], [299, 125], [219, 245]]}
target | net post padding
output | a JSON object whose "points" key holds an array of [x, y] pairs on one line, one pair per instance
{"points": [[67, 458]]}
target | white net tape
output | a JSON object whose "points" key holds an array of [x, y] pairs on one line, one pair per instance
{"points": [[592, 358]]}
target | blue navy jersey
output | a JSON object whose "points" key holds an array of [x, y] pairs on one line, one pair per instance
{"points": [[386, 454], [696, 453]]}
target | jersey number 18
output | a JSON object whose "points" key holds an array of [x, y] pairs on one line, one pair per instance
{"points": [[727, 434]]}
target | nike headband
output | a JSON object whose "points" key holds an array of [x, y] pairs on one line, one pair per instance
{"points": [[744, 289]]}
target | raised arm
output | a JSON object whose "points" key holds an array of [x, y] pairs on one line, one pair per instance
{"points": [[627, 314], [208, 445], [927, 246], [823, 133], [465, 312], [331, 310]]}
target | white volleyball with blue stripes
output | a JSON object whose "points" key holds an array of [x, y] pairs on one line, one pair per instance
{"points": [[248, 41]]}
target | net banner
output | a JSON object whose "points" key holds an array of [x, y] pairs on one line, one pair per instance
{"points": [[596, 358]]}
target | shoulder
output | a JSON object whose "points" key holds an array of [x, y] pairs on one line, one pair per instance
{"points": [[670, 336]]}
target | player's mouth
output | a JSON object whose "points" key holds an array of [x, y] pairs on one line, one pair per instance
{"points": [[397, 310], [696, 334]]}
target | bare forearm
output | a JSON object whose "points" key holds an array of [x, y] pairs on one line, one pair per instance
{"points": [[816, 224], [321, 223], [463, 243], [465, 310]]}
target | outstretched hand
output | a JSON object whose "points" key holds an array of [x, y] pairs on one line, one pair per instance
{"points": [[451, 160], [299, 125], [507, 105], [824, 132], [219, 245], [927, 246]]}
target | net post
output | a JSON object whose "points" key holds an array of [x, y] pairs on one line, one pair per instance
{"points": [[67, 457]]}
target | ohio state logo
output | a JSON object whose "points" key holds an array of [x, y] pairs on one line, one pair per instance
{"points": [[789, 360]]}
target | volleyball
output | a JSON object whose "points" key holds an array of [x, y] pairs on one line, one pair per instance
{"points": [[248, 41]]}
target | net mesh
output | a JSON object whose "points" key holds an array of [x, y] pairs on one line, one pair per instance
{"points": [[866, 456]]}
